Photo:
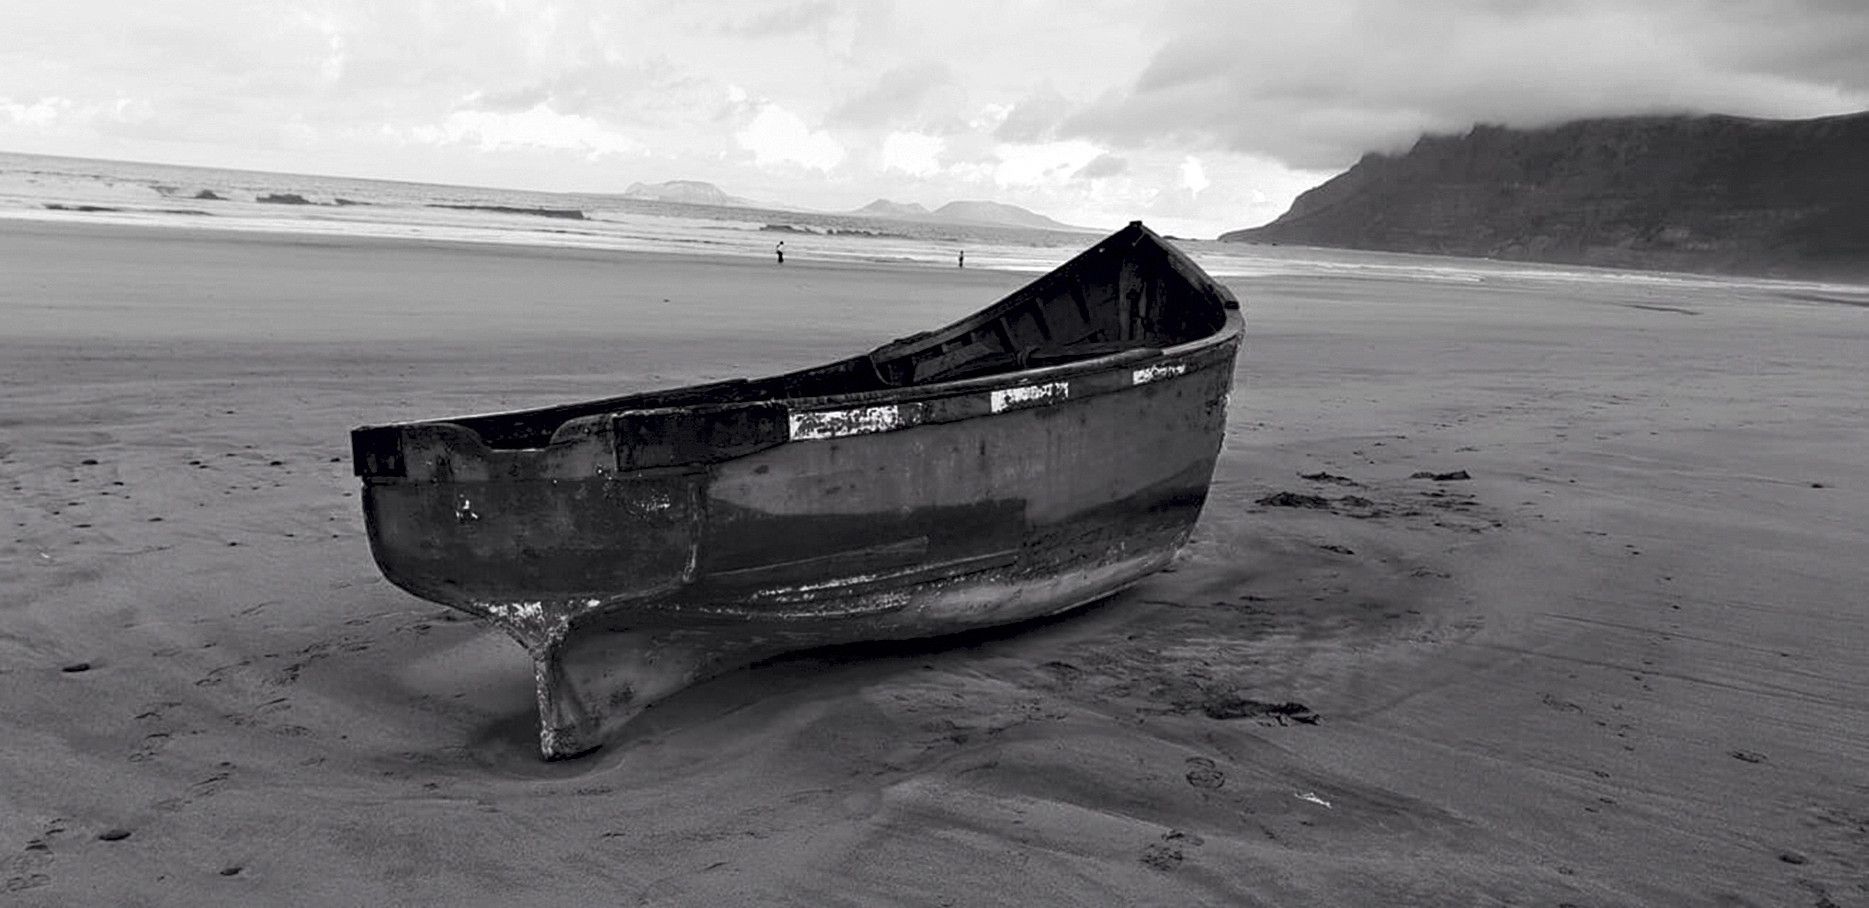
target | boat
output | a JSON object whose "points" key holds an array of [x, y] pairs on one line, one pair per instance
{"points": [[1041, 454]]}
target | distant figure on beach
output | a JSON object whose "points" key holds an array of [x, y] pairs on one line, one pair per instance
{"points": [[780, 251], [963, 259]]}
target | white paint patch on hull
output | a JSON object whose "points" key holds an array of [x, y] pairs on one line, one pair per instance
{"points": [[861, 421], [1030, 396], [1148, 374]]}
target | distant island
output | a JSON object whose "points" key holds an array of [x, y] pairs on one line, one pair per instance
{"points": [[686, 192], [884, 208], [1708, 193], [978, 213], [995, 214]]}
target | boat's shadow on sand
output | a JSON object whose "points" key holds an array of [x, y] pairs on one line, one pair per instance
{"points": [[509, 744], [1252, 618]]}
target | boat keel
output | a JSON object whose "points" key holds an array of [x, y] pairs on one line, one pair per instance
{"points": [[593, 681]]}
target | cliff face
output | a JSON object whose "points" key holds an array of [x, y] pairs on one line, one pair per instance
{"points": [[1680, 193]]}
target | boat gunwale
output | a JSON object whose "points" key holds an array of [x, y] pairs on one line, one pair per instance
{"points": [[1109, 362], [1198, 355], [1175, 260]]}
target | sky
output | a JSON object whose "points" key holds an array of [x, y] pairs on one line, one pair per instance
{"points": [[1197, 116]]}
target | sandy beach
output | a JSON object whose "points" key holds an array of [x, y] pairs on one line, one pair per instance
{"points": [[1615, 655]]}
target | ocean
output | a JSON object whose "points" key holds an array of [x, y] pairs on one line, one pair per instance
{"points": [[41, 187]]}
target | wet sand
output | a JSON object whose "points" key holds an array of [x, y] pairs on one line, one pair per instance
{"points": [[1622, 663]]}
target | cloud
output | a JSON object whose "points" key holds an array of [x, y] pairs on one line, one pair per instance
{"points": [[331, 29], [60, 114], [895, 97], [1035, 118], [1317, 85], [511, 100], [785, 20], [1042, 164], [1102, 167], [538, 127], [637, 92], [39, 114], [777, 136], [1193, 176], [912, 153]]}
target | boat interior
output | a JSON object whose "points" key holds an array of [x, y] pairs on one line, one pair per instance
{"points": [[1132, 291]]}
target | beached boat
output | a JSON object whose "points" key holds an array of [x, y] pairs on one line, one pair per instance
{"points": [[1041, 454]]}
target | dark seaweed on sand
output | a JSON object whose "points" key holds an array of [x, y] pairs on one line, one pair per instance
{"points": [[1295, 500]]}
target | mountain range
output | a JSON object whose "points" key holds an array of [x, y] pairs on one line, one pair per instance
{"points": [[1687, 193], [997, 214]]}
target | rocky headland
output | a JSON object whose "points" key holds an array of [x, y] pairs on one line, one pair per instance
{"points": [[1685, 193]]}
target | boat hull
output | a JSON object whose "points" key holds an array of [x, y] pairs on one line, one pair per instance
{"points": [[627, 585], [1039, 454]]}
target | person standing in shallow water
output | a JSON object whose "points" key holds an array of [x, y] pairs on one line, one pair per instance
{"points": [[962, 263], [779, 250]]}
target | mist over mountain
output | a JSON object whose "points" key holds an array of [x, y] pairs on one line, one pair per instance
{"points": [[1706, 193]]}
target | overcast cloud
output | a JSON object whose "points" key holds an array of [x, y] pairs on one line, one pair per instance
{"points": [[1199, 115], [1316, 85]]}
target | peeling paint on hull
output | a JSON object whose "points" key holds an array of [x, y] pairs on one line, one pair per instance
{"points": [[1156, 373], [844, 423], [1029, 396]]}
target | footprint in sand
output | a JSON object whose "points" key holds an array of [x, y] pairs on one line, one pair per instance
{"points": [[151, 745], [213, 677], [1167, 855], [1330, 478], [1162, 857], [29, 869], [1231, 705], [154, 709], [1202, 773], [1066, 674], [1551, 701], [201, 790], [1184, 838]]}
